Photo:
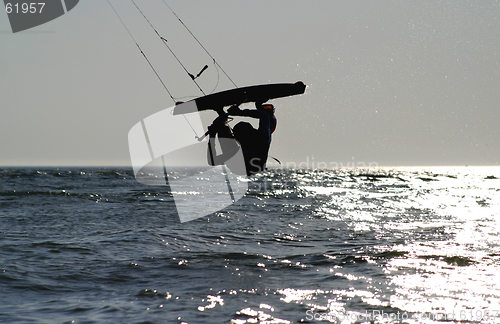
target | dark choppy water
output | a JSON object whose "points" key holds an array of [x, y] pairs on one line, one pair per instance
{"points": [[87, 245]]}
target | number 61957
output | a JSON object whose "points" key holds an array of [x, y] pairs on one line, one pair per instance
{"points": [[25, 7]]}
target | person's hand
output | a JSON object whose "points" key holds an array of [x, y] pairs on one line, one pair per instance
{"points": [[259, 103], [234, 110]]}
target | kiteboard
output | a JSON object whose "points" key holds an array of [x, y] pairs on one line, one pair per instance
{"points": [[257, 93]]}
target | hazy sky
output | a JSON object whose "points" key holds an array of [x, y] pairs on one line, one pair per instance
{"points": [[389, 82]]}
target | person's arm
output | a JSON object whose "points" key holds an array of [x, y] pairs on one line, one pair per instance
{"points": [[263, 116]]}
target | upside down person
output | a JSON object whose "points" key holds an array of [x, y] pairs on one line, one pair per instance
{"points": [[254, 143]]}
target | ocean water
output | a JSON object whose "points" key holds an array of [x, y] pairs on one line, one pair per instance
{"points": [[400, 245]]}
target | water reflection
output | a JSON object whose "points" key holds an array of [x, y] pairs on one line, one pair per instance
{"points": [[440, 237]]}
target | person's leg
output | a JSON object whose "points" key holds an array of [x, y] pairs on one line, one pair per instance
{"points": [[228, 145]]}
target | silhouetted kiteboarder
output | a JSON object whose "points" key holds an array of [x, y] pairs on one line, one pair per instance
{"points": [[253, 142]]}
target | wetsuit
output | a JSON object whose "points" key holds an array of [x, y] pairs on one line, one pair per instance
{"points": [[254, 143]]}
